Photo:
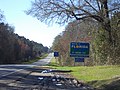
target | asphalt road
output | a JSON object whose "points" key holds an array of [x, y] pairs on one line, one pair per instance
{"points": [[6, 70], [44, 61]]}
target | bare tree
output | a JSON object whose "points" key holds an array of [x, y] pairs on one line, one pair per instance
{"points": [[62, 11]]}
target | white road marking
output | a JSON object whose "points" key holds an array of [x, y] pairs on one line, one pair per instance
{"points": [[10, 73], [5, 71]]}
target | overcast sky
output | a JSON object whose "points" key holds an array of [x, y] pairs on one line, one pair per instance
{"points": [[28, 26]]}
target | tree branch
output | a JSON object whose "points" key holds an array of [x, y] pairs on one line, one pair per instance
{"points": [[113, 9], [91, 6], [98, 18]]}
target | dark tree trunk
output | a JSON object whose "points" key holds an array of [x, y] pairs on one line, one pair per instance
{"points": [[106, 22], [109, 30]]}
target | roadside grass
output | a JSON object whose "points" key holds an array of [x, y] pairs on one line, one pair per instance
{"points": [[35, 60], [107, 84], [97, 76], [53, 63], [93, 73]]}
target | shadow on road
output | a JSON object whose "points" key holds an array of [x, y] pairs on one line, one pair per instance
{"points": [[33, 79]]}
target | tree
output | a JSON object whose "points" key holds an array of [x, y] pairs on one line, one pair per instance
{"points": [[6, 43], [74, 31], [15, 48], [62, 11], [103, 52]]}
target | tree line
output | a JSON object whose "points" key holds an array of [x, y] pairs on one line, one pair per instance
{"points": [[76, 31], [101, 51], [15, 48]]}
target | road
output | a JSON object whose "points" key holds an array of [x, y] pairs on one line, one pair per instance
{"points": [[19, 77], [10, 69], [44, 61]]}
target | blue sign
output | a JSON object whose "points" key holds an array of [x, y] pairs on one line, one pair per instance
{"points": [[79, 59], [79, 49], [56, 54]]}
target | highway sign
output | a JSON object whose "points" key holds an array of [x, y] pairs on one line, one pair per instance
{"points": [[56, 54], [79, 59], [79, 49]]}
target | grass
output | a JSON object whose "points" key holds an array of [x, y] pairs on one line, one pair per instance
{"points": [[35, 60], [98, 76], [93, 73], [108, 84], [90, 73], [53, 63]]}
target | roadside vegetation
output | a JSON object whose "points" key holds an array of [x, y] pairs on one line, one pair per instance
{"points": [[54, 62], [93, 73], [100, 77], [35, 60], [15, 48], [90, 73]]}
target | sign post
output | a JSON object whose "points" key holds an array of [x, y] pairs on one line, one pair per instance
{"points": [[56, 54]]}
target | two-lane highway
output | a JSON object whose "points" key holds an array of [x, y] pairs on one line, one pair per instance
{"points": [[44, 61], [6, 70]]}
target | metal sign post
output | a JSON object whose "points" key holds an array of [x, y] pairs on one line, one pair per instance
{"points": [[56, 55]]}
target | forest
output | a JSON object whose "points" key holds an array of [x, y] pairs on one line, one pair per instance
{"points": [[15, 48]]}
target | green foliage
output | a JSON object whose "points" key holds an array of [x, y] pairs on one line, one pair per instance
{"points": [[108, 84], [35, 60], [93, 73], [100, 77], [54, 62], [103, 51]]}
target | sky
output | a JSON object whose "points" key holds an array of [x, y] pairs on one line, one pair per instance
{"points": [[26, 25]]}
